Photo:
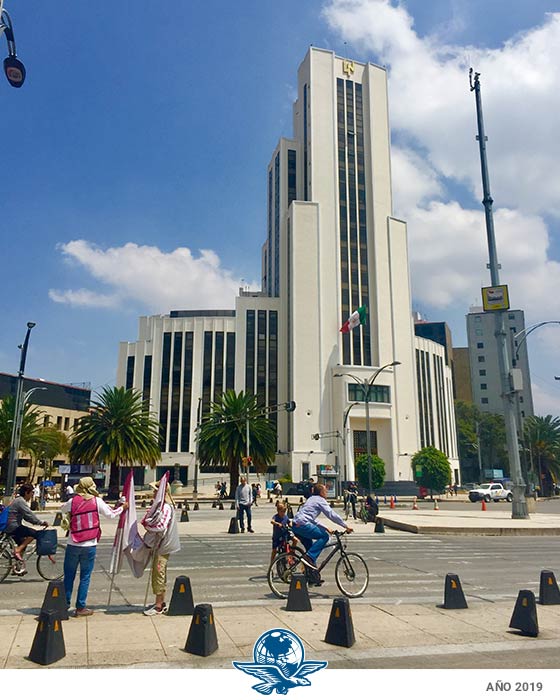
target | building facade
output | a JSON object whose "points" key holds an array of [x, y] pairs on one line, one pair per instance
{"points": [[60, 405], [483, 360], [331, 246]]}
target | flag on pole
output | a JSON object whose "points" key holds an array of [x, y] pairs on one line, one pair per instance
{"points": [[358, 318], [127, 528]]}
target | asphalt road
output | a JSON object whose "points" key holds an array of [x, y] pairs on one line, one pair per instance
{"points": [[404, 567]]}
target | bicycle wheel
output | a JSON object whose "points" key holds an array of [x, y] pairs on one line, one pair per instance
{"points": [[5, 564], [51, 566], [351, 575], [280, 573]]}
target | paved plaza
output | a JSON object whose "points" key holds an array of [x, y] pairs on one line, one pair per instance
{"points": [[386, 634]]}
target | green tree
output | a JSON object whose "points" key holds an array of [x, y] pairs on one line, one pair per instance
{"points": [[119, 430], [432, 469], [50, 442], [222, 437], [31, 427], [542, 436], [377, 471], [485, 430]]}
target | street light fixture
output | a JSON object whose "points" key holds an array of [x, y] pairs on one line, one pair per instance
{"points": [[366, 385], [14, 69], [18, 415]]}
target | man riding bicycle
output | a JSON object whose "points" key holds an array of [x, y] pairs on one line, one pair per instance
{"points": [[20, 533], [313, 535]]}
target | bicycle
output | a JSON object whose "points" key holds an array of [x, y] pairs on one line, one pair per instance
{"points": [[351, 573], [49, 566]]}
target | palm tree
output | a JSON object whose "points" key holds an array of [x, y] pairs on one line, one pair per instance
{"points": [[31, 427], [223, 434], [542, 435], [50, 442], [119, 431]]}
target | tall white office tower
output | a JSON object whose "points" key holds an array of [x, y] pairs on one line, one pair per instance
{"points": [[332, 246]]}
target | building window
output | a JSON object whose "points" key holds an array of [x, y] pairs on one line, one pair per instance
{"points": [[378, 393], [59, 422], [511, 317], [67, 423], [207, 372], [522, 414], [481, 358], [520, 399], [513, 329], [484, 386], [477, 319], [187, 392], [175, 392], [479, 331], [164, 393], [485, 400], [480, 345], [147, 379], [360, 442], [250, 353], [46, 421], [130, 372], [482, 372]]}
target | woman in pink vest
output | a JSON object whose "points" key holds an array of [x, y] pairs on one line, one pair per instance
{"points": [[85, 531]]}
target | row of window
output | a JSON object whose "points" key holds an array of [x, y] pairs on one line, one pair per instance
{"points": [[62, 423]]}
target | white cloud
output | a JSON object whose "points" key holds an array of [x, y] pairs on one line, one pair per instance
{"points": [[157, 281], [433, 113], [83, 297]]}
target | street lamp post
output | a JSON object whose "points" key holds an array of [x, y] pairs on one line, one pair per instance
{"points": [[519, 508], [366, 388], [195, 484], [14, 69], [18, 416]]}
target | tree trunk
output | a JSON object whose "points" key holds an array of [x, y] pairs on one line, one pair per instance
{"points": [[114, 489]]}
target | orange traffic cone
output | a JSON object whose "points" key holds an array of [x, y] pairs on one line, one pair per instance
{"points": [[483, 504], [414, 503], [436, 507], [392, 503]]}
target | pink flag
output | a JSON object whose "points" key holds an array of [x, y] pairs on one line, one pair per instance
{"points": [[127, 529]]}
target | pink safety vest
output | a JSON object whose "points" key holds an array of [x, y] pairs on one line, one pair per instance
{"points": [[84, 519]]}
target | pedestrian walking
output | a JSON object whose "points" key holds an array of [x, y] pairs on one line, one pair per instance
{"points": [[85, 531], [243, 501]]}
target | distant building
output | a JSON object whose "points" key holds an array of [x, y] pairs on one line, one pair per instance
{"points": [[483, 360], [61, 406], [462, 375]]}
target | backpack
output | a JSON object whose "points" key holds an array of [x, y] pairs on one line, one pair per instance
{"points": [[4, 512]]}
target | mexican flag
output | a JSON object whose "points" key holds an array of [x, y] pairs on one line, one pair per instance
{"points": [[358, 318]]}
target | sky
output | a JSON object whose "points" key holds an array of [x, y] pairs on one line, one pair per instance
{"points": [[134, 161]]}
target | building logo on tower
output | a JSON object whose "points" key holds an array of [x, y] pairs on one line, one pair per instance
{"points": [[348, 67], [279, 663]]}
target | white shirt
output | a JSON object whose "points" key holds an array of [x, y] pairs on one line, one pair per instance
{"points": [[102, 508]]}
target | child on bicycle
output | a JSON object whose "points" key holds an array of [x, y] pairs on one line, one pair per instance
{"points": [[280, 531]]}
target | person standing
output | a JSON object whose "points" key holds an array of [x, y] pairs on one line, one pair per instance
{"points": [[353, 497], [162, 539], [243, 501], [85, 531]]}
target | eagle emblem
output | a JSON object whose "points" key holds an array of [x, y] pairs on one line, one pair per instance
{"points": [[279, 663]]}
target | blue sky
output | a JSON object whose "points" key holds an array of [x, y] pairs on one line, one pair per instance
{"points": [[141, 138]]}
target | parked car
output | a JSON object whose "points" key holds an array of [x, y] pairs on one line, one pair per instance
{"points": [[490, 492]]}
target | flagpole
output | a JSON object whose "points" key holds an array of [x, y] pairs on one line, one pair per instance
{"points": [[114, 559]]}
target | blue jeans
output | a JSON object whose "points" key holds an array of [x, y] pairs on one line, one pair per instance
{"points": [[244, 509], [85, 558], [313, 537]]}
